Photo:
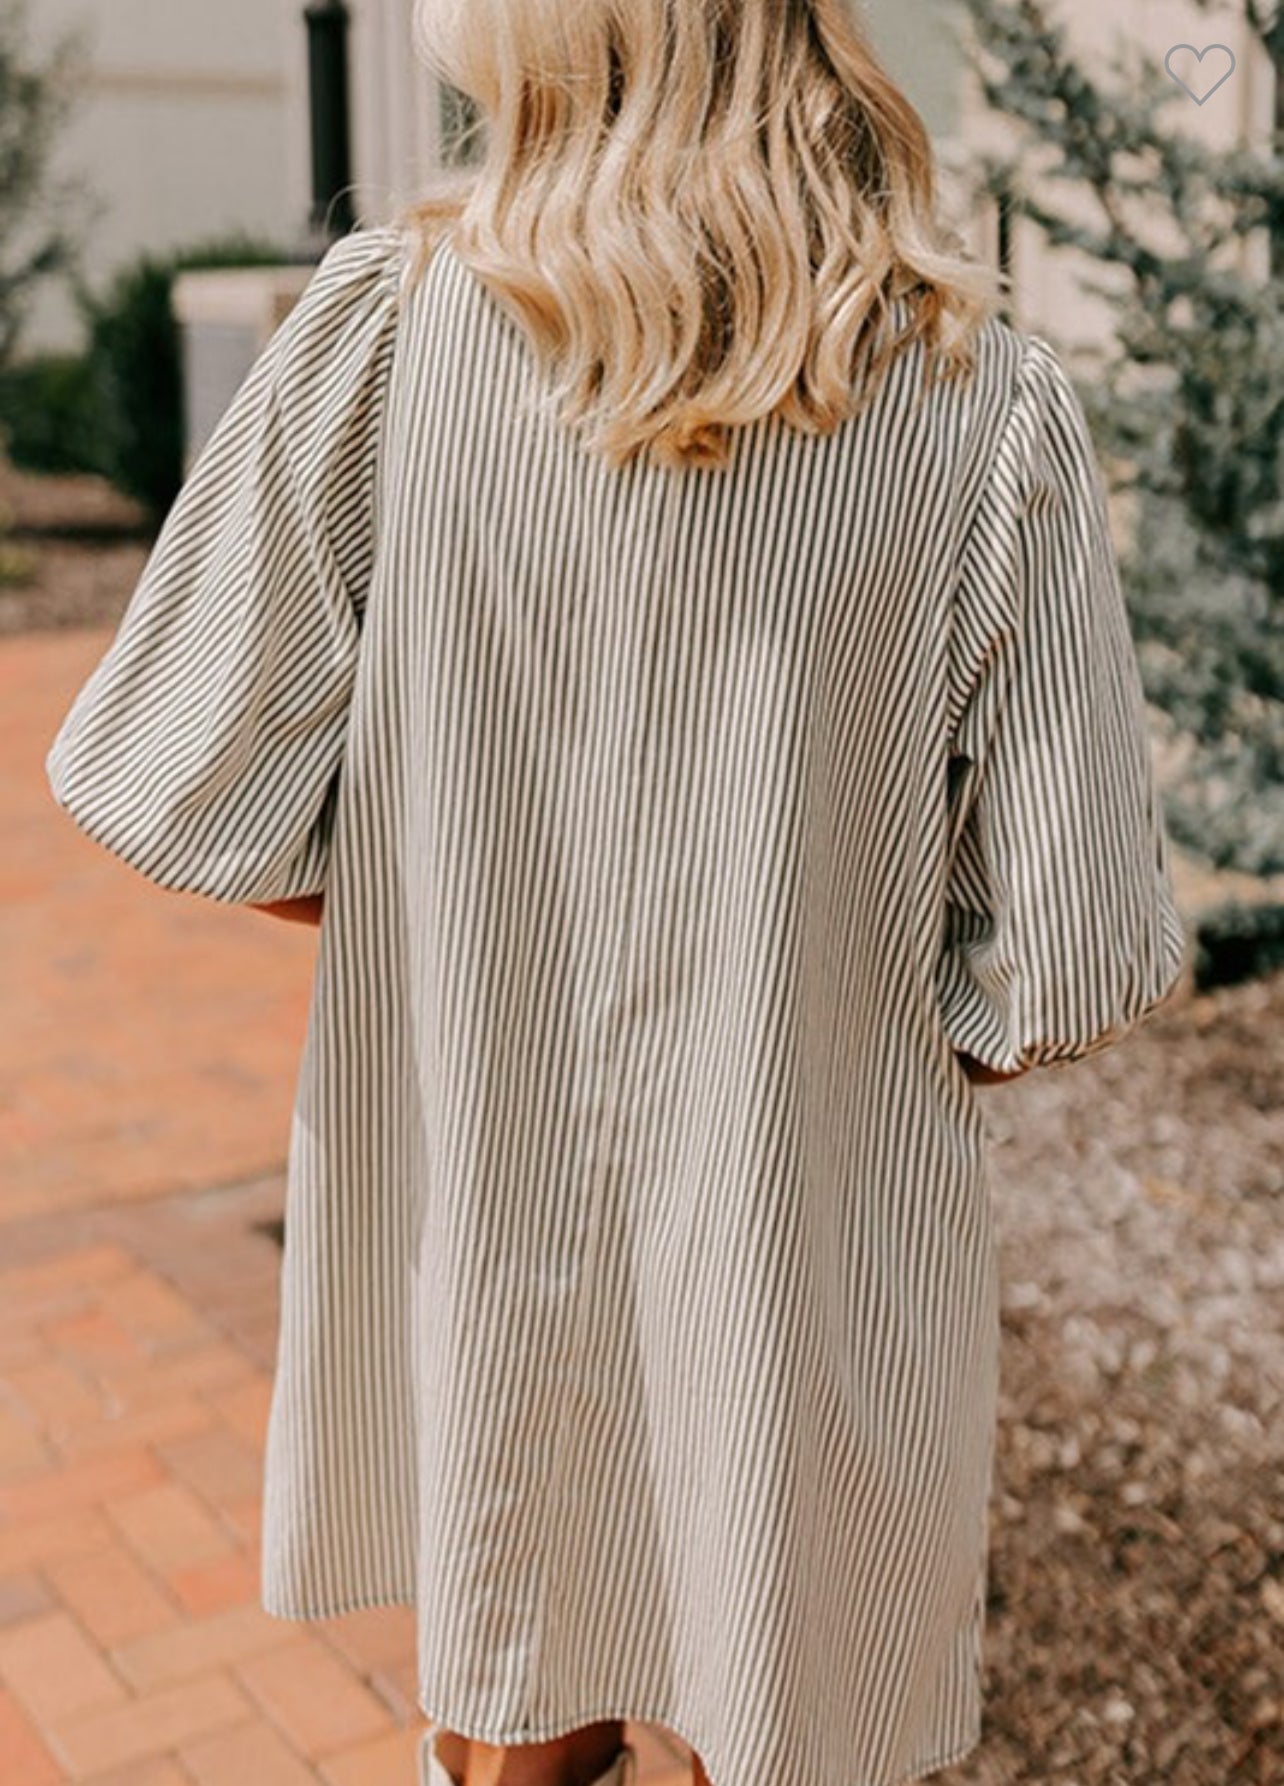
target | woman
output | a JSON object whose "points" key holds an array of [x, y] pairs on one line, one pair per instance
{"points": [[658, 618]]}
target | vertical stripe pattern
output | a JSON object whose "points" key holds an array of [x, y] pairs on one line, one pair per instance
{"points": [[639, 1304]]}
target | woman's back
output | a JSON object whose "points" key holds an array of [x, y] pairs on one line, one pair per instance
{"points": [[676, 827]]}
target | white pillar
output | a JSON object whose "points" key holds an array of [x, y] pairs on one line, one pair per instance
{"points": [[394, 109], [297, 171]]}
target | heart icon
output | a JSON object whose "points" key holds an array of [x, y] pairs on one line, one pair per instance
{"points": [[1209, 50]]}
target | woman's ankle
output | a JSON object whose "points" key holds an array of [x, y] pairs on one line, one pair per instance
{"points": [[577, 1758]]}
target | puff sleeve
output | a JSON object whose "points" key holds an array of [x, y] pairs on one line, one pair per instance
{"points": [[1060, 928], [204, 749]]}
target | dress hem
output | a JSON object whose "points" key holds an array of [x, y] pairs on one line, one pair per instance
{"points": [[562, 1726], [506, 1736]]}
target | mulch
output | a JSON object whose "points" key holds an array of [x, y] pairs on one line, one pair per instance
{"points": [[1136, 1609], [89, 545]]}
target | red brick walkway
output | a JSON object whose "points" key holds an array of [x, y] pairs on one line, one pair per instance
{"points": [[147, 1065]]}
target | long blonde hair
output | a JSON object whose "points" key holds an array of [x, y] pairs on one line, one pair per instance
{"points": [[699, 211]]}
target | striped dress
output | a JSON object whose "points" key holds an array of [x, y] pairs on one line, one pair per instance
{"points": [[639, 1319]]}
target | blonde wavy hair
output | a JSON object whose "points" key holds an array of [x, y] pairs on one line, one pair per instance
{"points": [[699, 212]]}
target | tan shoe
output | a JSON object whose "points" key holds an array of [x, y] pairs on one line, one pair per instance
{"points": [[434, 1772]]}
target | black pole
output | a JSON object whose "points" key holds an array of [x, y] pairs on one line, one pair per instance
{"points": [[1006, 242], [327, 24], [1274, 41]]}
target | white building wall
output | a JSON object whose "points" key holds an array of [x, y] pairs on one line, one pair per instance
{"points": [[1048, 295], [181, 131], [194, 122], [395, 111]]}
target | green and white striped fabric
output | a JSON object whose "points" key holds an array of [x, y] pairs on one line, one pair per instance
{"points": [[639, 1297]]}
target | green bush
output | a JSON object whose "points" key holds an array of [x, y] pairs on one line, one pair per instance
{"points": [[1186, 399], [1237, 942], [135, 376], [47, 415], [133, 387]]}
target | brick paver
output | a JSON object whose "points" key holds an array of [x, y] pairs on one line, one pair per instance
{"points": [[24, 1753], [113, 1596], [254, 1751], [147, 1064], [150, 1037]]}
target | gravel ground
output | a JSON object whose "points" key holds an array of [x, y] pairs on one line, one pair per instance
{"points": [[1135, 1632], [89, 543], [1135, 1629]]}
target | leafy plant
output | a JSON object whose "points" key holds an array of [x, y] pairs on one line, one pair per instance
{"points": [[1187, 243], [46, 413], [39, 232], [134, 381]]}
